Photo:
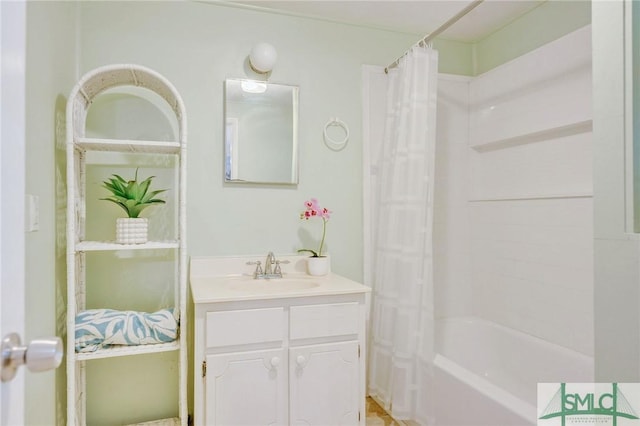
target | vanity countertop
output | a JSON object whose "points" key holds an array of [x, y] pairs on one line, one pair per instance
{"points": [[211, 282]]}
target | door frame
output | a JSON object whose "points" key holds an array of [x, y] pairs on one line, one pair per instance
{"points": [[12, 195]]}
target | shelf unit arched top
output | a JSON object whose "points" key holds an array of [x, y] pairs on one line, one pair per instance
{"points": [[93, 83]]}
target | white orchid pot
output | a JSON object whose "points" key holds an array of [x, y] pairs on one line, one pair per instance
{"points": [[132, 230], [318, 266]]}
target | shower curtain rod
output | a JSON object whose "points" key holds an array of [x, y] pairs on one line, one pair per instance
{"points": [[439, 30]]}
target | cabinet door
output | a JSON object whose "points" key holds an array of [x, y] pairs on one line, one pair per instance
{"points": [[246, 388], [323, 382]]}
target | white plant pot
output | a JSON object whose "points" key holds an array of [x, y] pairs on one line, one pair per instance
{"points": [[132, 230], [318, 266]]}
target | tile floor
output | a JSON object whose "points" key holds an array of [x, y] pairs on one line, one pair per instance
{"points": [[376, 416]]}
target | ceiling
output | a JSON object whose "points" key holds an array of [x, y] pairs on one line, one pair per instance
{"points": [[417, 17]]}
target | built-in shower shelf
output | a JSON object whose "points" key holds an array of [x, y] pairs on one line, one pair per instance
{"points": [[533, 137], [85, 246], [524, 197], [163, 422], [128, 351], [128, 145]]}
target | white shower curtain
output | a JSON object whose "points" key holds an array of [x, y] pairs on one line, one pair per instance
{"points": [[402, 330]]}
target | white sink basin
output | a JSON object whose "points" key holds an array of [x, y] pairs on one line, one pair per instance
{"points": [[229, 279], [276, 285]]}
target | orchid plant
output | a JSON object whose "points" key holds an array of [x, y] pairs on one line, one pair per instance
{"points": [[314, 210]]}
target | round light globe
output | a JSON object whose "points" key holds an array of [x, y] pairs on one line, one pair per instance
{"points": [[263, 57]]}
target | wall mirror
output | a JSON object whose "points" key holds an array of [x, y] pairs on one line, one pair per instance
{"points": [[261, 132]]}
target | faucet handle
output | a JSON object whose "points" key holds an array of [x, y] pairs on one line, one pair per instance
{"points": [[258, 270], [277, 269]]}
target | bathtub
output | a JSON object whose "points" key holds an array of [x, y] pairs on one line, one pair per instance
{"points": [[487, 374]]}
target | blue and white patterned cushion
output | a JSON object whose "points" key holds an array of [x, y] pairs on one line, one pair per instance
{"points": [[102, 328]]}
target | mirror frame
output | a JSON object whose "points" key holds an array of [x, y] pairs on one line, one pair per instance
{"points": [[232, 141]]}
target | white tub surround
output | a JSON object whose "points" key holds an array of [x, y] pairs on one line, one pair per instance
{"points": [[540, 96], [530, 193], [277, 351], [495, 370]]}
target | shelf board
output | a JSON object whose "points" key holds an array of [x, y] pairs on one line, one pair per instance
{"points": [[128, 350], [125, 145], [175, 421], [528, 197], [561, 131], [113, 246]]}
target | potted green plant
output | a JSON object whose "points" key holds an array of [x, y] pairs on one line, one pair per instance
{"points": [[133, 197], [317, 263]]}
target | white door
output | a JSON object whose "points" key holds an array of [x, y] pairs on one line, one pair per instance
{"points": [[12, 192], [246, 388], [324, 384]]}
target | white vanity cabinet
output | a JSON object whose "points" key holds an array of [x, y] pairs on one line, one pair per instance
{"points": [[246, 388], [243, 366], [323, 384], [324, 378], [291, 358]]}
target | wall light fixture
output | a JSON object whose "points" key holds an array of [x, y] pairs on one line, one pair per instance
{"points": [[263, 57]]}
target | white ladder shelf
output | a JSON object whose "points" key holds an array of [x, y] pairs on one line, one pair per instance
{"points": [[90, 86]]}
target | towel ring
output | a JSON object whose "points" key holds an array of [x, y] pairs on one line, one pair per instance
{"points": [[332, 143]]}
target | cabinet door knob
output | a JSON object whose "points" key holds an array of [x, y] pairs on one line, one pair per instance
{"points": [[275, 361], [300, 359]]}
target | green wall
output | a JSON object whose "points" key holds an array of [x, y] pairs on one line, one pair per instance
{"points": [[454, 57], [197, 46], [549, 21], [50, 74]]}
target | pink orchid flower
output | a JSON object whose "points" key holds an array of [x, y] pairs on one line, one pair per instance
{"points": [[312, 210]]}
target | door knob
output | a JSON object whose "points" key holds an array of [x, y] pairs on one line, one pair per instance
{"points": [[300, 360], [39, 355]]}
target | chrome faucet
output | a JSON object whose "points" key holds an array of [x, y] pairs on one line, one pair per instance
{"points": [[268, 264], [269, 270]]}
